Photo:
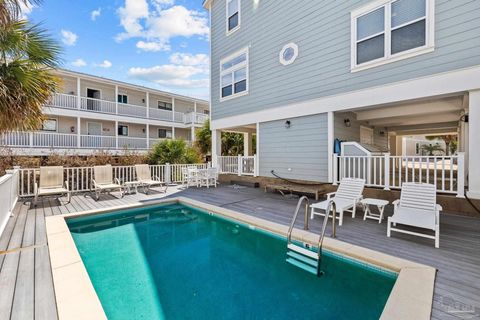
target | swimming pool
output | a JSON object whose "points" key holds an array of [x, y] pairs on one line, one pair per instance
{"points": [[178, 262]]}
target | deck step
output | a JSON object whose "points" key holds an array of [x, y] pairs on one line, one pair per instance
{"points": [[302, 265], [302, 251], [302, 258]]}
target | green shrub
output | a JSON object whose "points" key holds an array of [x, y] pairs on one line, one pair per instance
{"points": [[173, 151]]}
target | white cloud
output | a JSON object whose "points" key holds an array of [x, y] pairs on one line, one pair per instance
{"points": [[95, 14], [79, 63], [164, 22], [188, 59], [152, 46], [104, 64], [68, 37], [25, 9], [172, 75]]}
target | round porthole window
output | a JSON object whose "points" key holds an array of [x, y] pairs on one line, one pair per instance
{"points": [[288, 54]]}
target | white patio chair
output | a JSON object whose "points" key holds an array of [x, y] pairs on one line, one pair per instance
{"points": [[103, 181], [51, 183], [208, 177], [346, 198], [191, 177], [144, 178], [417, 207]]}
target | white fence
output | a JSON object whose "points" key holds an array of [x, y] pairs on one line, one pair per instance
{"points": [[79, 178], [8, 196], [447, 173], [240, 165]]}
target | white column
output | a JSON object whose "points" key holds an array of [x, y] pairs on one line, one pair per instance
{"points": [[79, 88], [79, 129], [473, 149], [194, 120], [330, 140], [173, 117], [257, 151], [216, 146], [148, 135], [116, 99], [116, 135], [147, 103], [192, 133], [247, 144]]}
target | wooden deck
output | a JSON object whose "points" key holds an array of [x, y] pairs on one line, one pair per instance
{"points": [[26, 289]]}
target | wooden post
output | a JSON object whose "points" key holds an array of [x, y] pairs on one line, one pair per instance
{"points": [[335, 169], [239, 165], [386, 166], [460, 175]]}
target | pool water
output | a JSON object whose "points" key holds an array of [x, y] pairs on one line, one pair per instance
{"points": [[178, 262]]}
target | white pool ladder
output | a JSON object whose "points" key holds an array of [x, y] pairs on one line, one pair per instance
{"points": [[302, 257]]}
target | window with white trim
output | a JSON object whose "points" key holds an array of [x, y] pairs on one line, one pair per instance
{"points": [[391, 30], [122, 98], [164, 134], [233, 15], [123, 130], [234, 75], [49, 125]]}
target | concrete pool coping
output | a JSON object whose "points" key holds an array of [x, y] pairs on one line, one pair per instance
{"points": [[411, 296]]}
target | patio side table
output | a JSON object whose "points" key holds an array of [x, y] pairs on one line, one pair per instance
{"points": [[380, 204]]}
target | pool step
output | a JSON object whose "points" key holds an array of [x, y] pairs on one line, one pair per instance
{"points": [[302, 258]]}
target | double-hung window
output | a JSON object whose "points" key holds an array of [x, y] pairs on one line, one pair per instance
{"points": [[122, 98], [234, 75], [233, 15], [164, 105], [386, 31], [122, 130], [164, 134]]}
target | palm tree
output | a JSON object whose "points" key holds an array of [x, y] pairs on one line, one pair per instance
{"points": [[27, 57], [431, 148], [10, 10]]}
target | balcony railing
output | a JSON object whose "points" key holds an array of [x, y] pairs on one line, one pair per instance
{"points": [[132, 143], [94, 142], [68, 101]]}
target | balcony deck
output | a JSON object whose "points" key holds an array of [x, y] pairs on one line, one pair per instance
{"points": [[26, 280]]}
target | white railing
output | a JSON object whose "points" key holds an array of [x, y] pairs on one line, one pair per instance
{"points": [[8, 196], [132, 110], [15, 139], [97, 105], [54, 139], [79, 179], [445, 172], [160, 114], [62, 100], [132, 143], [240, 165], [193, 117], [179, 117], [92, 141]]}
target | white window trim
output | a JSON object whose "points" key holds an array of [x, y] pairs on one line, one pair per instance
{"points": [[166, 133], [231, 70], [128, 130], [229, 32], [56, 125], [164, 102], [89, 88], [101, 128], [295, 55], [123, 94], [389, 58]]}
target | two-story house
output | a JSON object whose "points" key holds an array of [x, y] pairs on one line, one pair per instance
{"points": [[93, 113], [301, 74]]}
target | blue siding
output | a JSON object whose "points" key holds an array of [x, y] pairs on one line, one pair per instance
{"points": [[321, 28], [302, 148]]}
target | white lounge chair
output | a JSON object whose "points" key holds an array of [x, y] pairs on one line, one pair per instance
{"points": [[103, 181], [346, 198], [144, 178], [51, 183], [417, 207]]}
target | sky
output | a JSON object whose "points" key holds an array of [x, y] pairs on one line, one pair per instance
{"points": [[162, 44]]}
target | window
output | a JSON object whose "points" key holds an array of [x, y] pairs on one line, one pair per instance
{"points": [[122, 98], [164, 105], [233, 15], [164, 134], [234, 75], [387, 31], [288, 54], [122, 130], [49, 125]]}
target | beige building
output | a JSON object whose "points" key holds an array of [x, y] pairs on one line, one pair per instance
{"points": [[91, 113]]}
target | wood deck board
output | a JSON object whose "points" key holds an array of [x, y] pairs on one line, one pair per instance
{"points": [[26, 278]]}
